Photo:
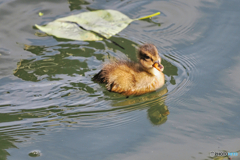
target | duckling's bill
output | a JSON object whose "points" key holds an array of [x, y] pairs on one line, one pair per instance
{"points": [[158, 66]]}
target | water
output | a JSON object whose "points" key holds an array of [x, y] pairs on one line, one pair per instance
{"points": [[50, 106]]}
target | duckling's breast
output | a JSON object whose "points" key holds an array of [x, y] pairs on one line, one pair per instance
{"points": [[146, 83]]}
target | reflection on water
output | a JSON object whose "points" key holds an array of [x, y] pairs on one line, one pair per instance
{"points": [[154, 102], [77, 4], [158, 113], [6, 143]]}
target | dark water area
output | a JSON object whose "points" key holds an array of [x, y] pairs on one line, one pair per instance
{"points": [[51, 109]]}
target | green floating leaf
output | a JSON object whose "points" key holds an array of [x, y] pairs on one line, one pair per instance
{"points": [[89, 26]]}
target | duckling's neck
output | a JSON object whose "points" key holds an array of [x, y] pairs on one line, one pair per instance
{"points": [[153, 71]]}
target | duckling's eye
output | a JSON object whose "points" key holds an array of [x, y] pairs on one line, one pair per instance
{"points": [[146, 57]]}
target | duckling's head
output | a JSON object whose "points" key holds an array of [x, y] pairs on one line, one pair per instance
{"points": [[149, 58]]}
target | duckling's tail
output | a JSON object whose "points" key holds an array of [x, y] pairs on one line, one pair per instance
{"points": [[99, 78]]}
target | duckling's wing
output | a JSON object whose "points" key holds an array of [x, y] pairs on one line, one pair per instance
{"points": [[121, 79]]}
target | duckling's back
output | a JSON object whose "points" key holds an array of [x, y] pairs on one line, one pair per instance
{"points": [[118, 75]]}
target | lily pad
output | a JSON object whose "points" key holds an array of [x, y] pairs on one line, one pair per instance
{"points": [[89, 26]]}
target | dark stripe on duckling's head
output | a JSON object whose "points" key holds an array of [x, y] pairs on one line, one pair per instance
{"points": [[147, 51]]}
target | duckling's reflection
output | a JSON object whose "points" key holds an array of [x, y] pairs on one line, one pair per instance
{"points": [[158, 113], [155, 102]]}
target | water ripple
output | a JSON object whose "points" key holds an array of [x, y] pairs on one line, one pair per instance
{"points": [[187, 70], [176, 24]]}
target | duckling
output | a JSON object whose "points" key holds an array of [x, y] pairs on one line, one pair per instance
{"points": [[130, 78]]}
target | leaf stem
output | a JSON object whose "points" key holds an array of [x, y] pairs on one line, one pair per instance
{"points": [[149, 16]]}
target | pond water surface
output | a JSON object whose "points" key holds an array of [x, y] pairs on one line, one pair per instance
{"points": [[49, 104]]}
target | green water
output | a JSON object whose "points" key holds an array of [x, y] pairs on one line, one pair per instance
{"points": [[49, 103]]}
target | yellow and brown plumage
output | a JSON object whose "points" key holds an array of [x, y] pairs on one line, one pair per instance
{"points": [[130, 78]]}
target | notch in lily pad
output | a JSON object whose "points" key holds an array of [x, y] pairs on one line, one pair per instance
{"points": [[90, 26]]}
